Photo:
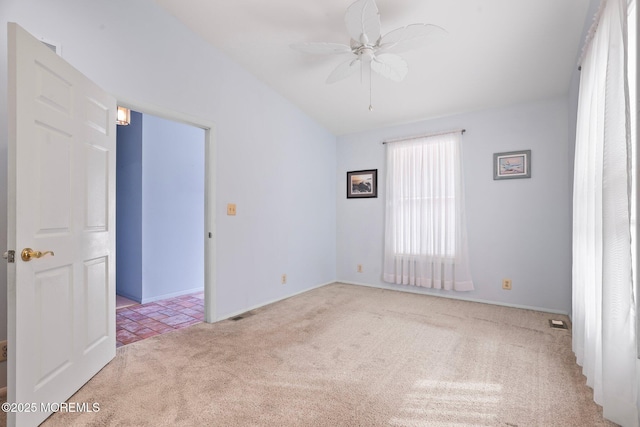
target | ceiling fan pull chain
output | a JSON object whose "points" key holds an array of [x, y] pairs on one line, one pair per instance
{"points": [[370, 90]]}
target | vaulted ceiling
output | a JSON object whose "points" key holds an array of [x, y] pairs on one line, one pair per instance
{"points": [[495, 53]]}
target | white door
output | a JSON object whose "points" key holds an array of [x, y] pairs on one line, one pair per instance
{"points": [[61, 314]]}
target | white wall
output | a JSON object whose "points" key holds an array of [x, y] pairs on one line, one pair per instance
{"points": [[172, 208], [517, 229], [273, 161]]}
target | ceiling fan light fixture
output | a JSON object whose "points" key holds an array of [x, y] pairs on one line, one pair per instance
{"points": [[366, 54]]}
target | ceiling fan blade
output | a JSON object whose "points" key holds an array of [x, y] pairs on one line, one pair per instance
{"points": [[363, 21], [390, 66], [321, 48], [343, 70], [410, 37]]}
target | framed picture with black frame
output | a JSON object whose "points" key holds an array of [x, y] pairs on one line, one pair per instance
{"points": [[362, 184]]}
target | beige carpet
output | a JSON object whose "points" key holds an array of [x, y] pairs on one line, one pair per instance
{"points": [[345, 355]]}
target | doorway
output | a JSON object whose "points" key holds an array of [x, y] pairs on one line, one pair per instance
{"points": [[161, 236]]}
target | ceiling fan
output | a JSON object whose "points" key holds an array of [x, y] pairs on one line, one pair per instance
{"points": [[368, 49]]}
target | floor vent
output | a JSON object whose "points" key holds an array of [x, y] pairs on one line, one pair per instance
{"points": [[557, 324]]}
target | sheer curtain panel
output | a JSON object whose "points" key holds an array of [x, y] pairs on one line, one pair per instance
{"points": [[604, 312], [425, 229]]}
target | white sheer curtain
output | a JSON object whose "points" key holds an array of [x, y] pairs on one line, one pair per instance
{"points": [[604, 313], [425, 229]]}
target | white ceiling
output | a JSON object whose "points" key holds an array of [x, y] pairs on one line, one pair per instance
{"points": [[496, 53]]}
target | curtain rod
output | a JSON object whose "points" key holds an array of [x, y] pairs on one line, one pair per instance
{"points": [[591, 33], [424, 136]]}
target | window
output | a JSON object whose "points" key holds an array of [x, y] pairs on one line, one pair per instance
{"points": [[425, 234]]}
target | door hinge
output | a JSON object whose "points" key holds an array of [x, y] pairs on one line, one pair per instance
{"points": [[10, 256]]}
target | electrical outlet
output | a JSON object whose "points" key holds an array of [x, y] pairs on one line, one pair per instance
{"points": [[231, 209], [283, 279], [3, 346], [506, 284], [359, 268]]}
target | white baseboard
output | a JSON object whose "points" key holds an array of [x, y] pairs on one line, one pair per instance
{"points": [[127, 296], [171, 295], [456, 297], [236, 313]]}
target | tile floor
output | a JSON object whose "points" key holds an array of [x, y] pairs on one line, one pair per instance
{"points": [[140, 321]]}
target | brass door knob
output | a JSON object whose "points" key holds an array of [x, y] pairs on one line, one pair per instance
{"points": [[28, 254]]}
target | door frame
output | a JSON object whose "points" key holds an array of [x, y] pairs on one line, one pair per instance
{"points": [[209, 191]]}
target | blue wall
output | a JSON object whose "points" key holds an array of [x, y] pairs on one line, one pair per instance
{"points": [[129, 209], [160, 209], [172, 208]]}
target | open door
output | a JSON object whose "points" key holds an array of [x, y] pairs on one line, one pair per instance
{"points": [[61, 314]]}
